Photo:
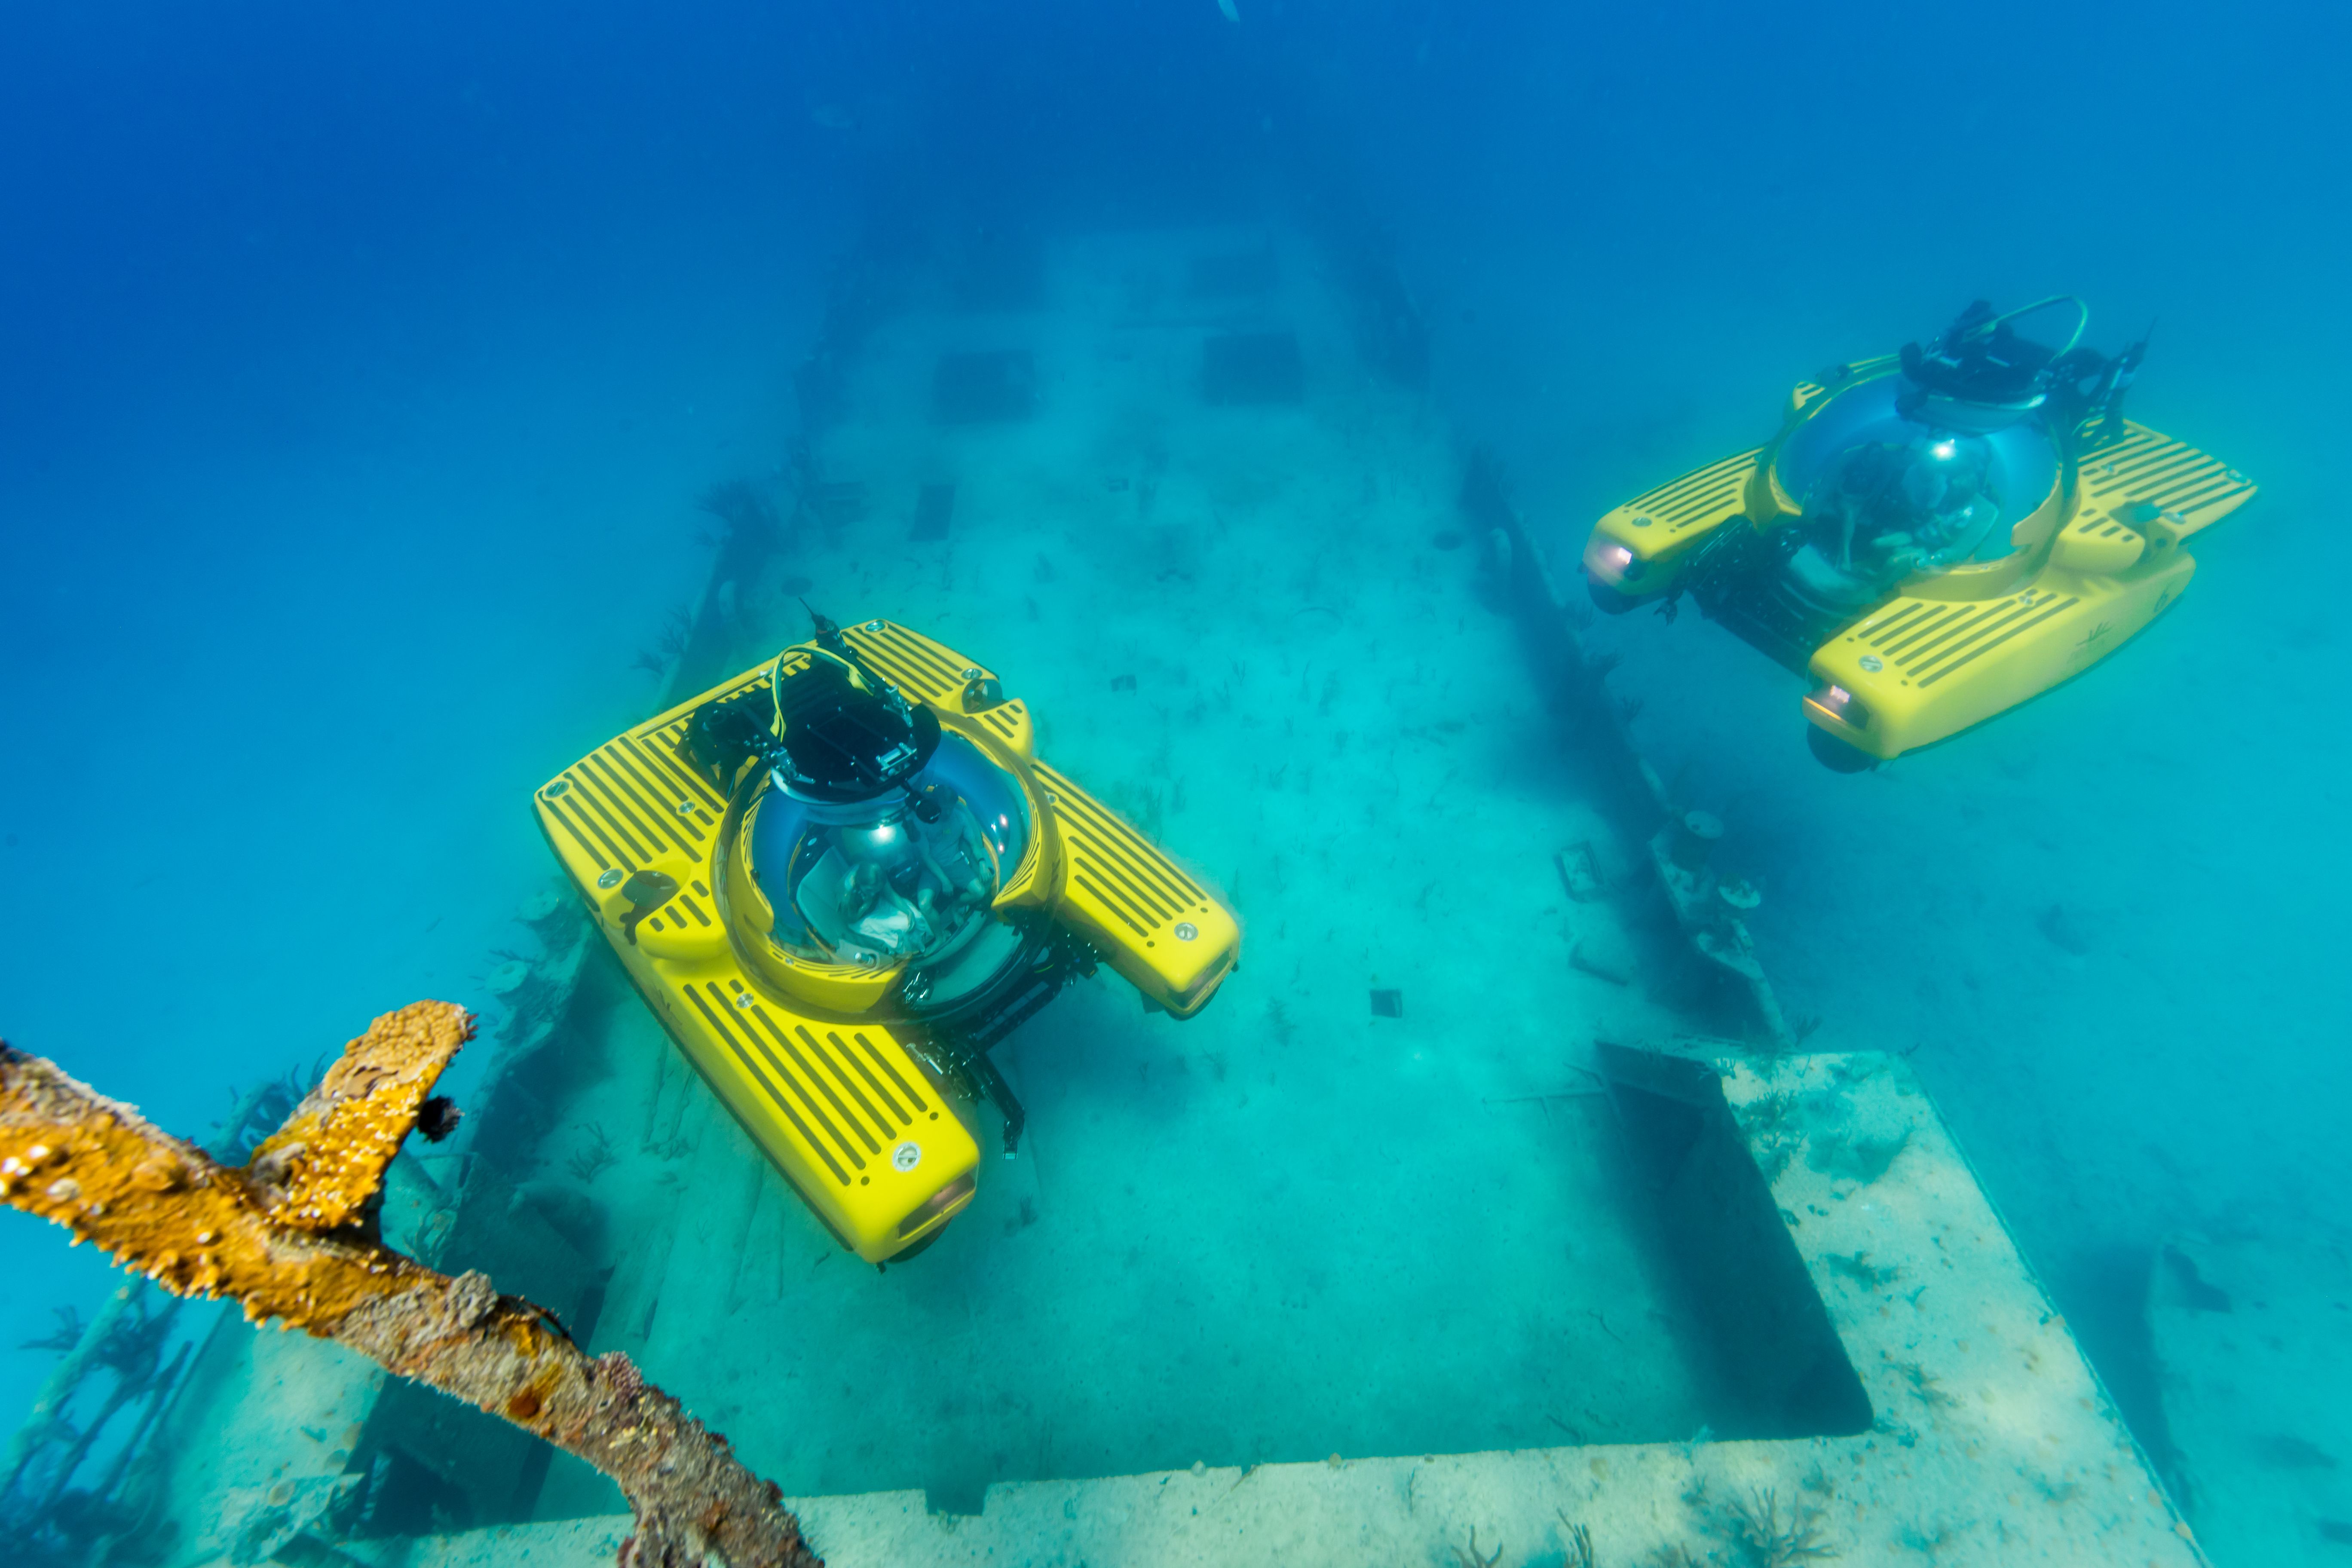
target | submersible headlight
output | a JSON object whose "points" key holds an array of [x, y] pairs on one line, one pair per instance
{"points": [[1614, 560], [1839, 703]]}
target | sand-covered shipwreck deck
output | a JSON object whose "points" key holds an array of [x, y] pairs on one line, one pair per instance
{"points": [[1859, 1274]]}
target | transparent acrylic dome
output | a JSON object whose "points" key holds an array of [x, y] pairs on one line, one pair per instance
{"points": [[876, 884], [1883, 497], [2019, 464]]}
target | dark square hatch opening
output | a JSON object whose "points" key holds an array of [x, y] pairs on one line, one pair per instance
{"points": [[990, 388], [1242, 368]]}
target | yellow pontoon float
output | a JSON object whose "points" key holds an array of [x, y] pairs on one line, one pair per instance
{"points": [[838, 879], [1933, 536]]}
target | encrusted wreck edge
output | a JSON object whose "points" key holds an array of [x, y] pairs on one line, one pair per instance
{"points": [[325, 1166], [161, 1206]]}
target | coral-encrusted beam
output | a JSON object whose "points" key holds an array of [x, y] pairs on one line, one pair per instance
{"points": [[292, 1237]]}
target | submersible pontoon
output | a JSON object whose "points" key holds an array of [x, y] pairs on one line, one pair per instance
{"points": [[841, 876], [1935, 536]]}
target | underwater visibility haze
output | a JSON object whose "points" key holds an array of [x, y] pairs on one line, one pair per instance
{"points": [[1116, 714]]}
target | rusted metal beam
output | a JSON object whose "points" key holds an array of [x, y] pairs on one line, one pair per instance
{"points": [[292, 1237]]}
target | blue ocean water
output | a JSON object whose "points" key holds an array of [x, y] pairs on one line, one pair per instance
{"points": [[359, 370]]}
